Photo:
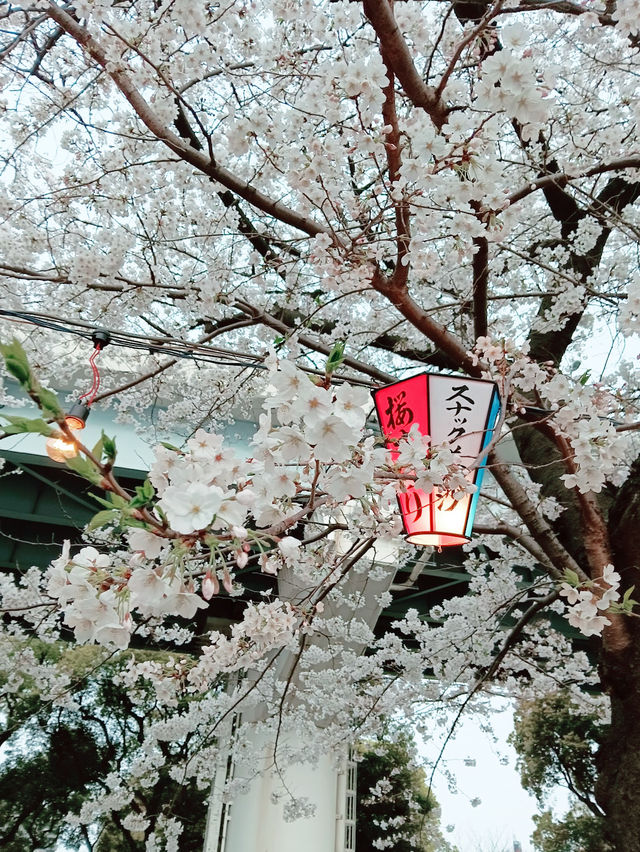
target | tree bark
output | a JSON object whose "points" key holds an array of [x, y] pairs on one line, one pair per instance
{"points": [[618, 761]]}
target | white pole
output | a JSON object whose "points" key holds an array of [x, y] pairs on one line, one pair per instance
{"points": [[255, 822]]}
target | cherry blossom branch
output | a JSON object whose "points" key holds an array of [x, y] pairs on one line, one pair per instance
{"points": [[358, 553], [30, 27], [491, 13], [480, 269], [566, 7], [400, 298], [171, 363], [396, 51], [278, 325], [521, 538], [508, 644], [110, 483], [292, 670], [180, 101], [595, 536], [394, 163], [52, 605], [24, 273], [277, 529], [515, 633], [563, 178], [186, 152], [539, 528]]}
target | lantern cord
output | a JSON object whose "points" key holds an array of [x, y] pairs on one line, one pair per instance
{"points": [[91, 394]]}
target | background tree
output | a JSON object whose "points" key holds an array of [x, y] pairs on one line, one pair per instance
{"points": [[577, 831], [557, 743], [395, 809], [65, 754], [235, 190]]}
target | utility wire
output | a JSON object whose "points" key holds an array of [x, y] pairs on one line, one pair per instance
{"points": [[171, 346], [155, 345]]}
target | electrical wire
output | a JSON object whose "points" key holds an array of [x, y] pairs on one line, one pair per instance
{"points": [[91, 394], [156, 345], [171, 346]]}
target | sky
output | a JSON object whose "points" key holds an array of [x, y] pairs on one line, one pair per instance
{"points": [[505, 809]]}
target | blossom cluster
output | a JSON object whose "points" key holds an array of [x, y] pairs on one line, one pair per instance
{"points": [[629, 316], [510, 81], [98, 593], [588, 606], [434, 465], [581, 414], [311, 441], [264, 627]]}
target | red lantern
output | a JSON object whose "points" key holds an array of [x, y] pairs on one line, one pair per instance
{"points": [[455, 409]]}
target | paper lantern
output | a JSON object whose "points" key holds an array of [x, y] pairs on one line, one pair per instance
{"points": [[456, 409]]}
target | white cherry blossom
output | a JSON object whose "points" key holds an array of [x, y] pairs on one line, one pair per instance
{"points": [[191, 507]]}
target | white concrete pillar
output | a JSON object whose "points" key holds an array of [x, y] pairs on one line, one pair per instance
{"points": [[256, 820]]}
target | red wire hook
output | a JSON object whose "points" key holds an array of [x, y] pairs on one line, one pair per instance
{"points": [[100, 340]]}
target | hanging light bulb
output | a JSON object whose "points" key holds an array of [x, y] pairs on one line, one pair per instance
{"points": [[60, 446]]}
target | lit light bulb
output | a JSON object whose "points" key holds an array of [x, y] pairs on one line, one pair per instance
{"points": [[73, 422], [59, 446]]}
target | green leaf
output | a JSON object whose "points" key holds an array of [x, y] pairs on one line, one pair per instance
{"points": [[97, 448], [628, 593], [16, 368], [571, 577], [85, 468], [336, 357], [109, 447], [49, 404], [111, 501], [144, 495], [162, 515], [16, 361], [25, 424], [169, 446], [134, 522], [101, 519]]}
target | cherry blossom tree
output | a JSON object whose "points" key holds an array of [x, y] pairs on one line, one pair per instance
{"points": [[273, 206]]}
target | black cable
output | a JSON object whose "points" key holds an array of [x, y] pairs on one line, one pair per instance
{"points": [[159, 345], [154, 345]]}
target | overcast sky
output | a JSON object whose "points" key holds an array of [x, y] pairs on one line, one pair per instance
{"points": [[505, 811]]}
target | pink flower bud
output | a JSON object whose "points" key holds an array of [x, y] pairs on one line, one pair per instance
{"points": [[210, 586], [227, 582]]}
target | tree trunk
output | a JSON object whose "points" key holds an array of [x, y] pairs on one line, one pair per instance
{"points": [[618, 758]]}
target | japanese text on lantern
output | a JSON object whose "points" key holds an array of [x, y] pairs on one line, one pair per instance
{"points": [[459, 396], [398, 413]]}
